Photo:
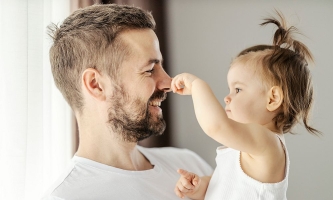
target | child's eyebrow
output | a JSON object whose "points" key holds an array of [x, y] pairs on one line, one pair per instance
{"points": [[237, 83]]}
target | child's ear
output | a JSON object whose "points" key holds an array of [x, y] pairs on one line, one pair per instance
{"points": [[93, 83], [275, 98]]}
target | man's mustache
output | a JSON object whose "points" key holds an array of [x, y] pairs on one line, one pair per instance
{"points": [[160, 95]]}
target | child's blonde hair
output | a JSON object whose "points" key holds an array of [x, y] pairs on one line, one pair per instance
{"points": [[284, 64]]}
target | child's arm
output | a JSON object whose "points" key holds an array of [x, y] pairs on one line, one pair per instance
{"points": [[191, 185], [250, 138]]}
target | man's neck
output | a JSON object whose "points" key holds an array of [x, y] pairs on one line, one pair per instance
{"points": [[112, 152]]}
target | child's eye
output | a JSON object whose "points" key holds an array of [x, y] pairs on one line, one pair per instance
{"points": [[237, 90]]}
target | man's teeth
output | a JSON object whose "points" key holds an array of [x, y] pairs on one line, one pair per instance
{"points": [[155, 103]]}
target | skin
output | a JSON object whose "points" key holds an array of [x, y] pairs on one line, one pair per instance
{"points": [[245, 124], [141, 75]]}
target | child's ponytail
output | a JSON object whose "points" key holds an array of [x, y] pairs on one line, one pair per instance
{"points": [[283, 37]]}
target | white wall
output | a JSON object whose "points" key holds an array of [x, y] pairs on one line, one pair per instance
{"points": [[204, 36]]}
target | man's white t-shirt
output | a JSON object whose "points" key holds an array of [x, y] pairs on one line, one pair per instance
{"points": [[87, 179]]}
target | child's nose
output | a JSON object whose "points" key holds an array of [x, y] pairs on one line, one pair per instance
{"points": [[227, 100]]}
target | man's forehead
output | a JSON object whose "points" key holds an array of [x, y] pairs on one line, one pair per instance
{"points": [[138, 36]]}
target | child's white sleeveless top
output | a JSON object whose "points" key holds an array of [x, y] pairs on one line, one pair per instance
{"points": [[229, 182]]}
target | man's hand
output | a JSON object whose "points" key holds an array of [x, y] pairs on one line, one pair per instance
{"points": [[188, 184]]}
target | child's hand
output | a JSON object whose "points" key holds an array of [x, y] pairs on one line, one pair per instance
{"points": [[187, 184], [182, 83]]}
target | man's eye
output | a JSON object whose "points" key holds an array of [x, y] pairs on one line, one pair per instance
{"points": [[237, 90], [150, 71]]}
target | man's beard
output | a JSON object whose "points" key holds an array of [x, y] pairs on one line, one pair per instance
{"points": [[136, 122]]}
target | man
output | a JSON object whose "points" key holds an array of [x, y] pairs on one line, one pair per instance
{"points": [[107, 63]]}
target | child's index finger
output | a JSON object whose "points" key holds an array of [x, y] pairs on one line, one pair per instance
{"points": [[184, 173]]}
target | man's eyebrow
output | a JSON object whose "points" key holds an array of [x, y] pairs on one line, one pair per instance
{"points": [[155, 61]]}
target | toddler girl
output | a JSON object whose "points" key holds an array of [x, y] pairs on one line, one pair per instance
{"points": [[270, 91]]}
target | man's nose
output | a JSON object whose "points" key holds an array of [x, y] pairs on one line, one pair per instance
{"points": [[164, 82]]}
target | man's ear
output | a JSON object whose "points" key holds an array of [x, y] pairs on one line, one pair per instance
{"points": [[93, 83], [274, 98]]}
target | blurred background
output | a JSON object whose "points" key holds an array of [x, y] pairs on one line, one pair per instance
{"points": [[38, 134]]}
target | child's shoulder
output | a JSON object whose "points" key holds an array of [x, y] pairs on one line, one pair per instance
{"points": [[270, 166]]}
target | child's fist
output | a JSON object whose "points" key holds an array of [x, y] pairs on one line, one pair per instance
{"points": [[182, 83]]}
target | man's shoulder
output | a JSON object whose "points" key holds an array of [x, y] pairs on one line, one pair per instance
{"points": [[58, 182]]}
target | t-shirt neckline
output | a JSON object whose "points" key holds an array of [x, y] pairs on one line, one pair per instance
{"points": [[150, 173]]}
